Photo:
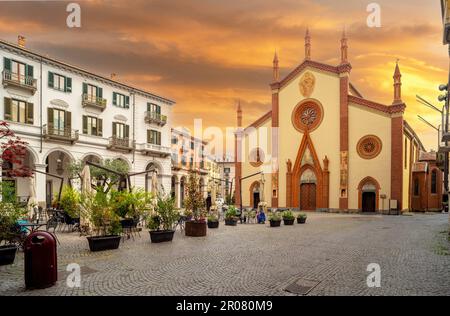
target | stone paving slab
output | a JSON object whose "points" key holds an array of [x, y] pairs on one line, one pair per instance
{"points": [[251, 259]]}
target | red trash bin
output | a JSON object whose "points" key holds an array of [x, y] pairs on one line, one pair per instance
{"points": [[41, 269]]}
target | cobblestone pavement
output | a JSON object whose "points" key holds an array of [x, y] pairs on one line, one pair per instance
{"points": [[333, 249]]}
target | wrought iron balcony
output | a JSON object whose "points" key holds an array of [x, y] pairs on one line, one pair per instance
{"points": [[93, 102], [14, 80], [155, 118], [60, 134], [121, 144]]}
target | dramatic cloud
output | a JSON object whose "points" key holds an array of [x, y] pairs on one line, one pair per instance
{"points": [[207, 54]]}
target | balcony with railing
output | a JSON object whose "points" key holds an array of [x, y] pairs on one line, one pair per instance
{"points": [[60, 134], [155, 118], [155, 150], [14, 80], [93, 102], [121, 144]]}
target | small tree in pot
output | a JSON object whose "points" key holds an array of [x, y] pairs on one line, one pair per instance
{"points": [[195, 203], [275, 219], [288, 218], [9, 232], [231, 217], [301, 218], [213, 221], [161, 222], [106, 224]]}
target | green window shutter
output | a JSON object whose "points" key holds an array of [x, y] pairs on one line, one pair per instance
{"points": [[7, 63], [85, 88], [68, 84], [100, 127], [85, 128], [127, 102], [127, 131], [114, 98], [50, 80], [158, 134], [30, 113], [148, 137], [149, 107], [29, 71], [7, 112], [100, 92], [68, 120], [114, 129], [158, 109], [50, 117]]}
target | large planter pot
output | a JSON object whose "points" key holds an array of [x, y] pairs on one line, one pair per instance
{"points": [[213, 224], [301, 220], [275, 223], [102, 243], [161, 236], [7, 254], [288, 222], [230, 222], [195, 229]]}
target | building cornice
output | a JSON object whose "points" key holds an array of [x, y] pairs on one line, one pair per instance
{"points": [[12, 48]]}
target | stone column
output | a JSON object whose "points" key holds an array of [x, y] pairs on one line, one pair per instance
{"points": [[41, 186]]}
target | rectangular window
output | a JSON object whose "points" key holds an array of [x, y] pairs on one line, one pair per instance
{"points": [[406, 153], [121, 100], [416, 187], [174, 140], [434, 182], [59, 121], [59, 82], [18, 70], [226, 170], [154, 137], [92, 126], [154, 108], [192, 145], [120, 130], [18, 111]]}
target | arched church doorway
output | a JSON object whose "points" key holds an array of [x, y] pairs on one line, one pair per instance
{"points": [[255, 195], [368, 195], [308, 191]]}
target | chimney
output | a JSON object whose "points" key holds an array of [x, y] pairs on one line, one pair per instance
{"points": [[21, 40], [113, 76]]}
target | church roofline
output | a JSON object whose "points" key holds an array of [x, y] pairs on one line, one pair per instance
{"points": [[260, 121], [389, 109], [313, 64]]}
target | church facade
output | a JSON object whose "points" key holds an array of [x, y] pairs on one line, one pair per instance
{"points": [[323, 146]]}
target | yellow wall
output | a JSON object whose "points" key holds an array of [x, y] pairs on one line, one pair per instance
{"points": [[248, 169], [362, 122], [325, 138]]}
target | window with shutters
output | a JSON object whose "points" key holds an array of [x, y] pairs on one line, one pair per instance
{"points": [[92, 126], [120, 130], [154, 137], [59, 82], [121, 100], [154, 108], [18, 111]]}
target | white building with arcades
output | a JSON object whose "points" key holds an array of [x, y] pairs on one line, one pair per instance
{"points": [[66, 113]]}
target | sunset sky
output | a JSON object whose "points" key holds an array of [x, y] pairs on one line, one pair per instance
{"points": [[206, 54]]}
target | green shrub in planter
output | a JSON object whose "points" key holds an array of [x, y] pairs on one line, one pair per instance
{"points": [[288, 218], [301, 218]]}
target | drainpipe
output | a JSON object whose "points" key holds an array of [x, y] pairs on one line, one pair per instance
{"points": [[40, 103], [134, 124]]}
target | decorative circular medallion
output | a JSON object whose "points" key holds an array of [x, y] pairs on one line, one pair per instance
{"points": [[369, 147], [256, 157], [307, 116]]}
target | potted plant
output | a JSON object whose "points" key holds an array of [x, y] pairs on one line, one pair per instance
{"points": [[129, 206], [213, 221], [161, 223], [195, 203], [9, 232], [275, 219], [301, 218], [288, 218], [106, 224], [231, 217]]}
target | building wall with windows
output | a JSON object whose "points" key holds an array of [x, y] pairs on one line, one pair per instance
{"points": [[67, 113]]}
